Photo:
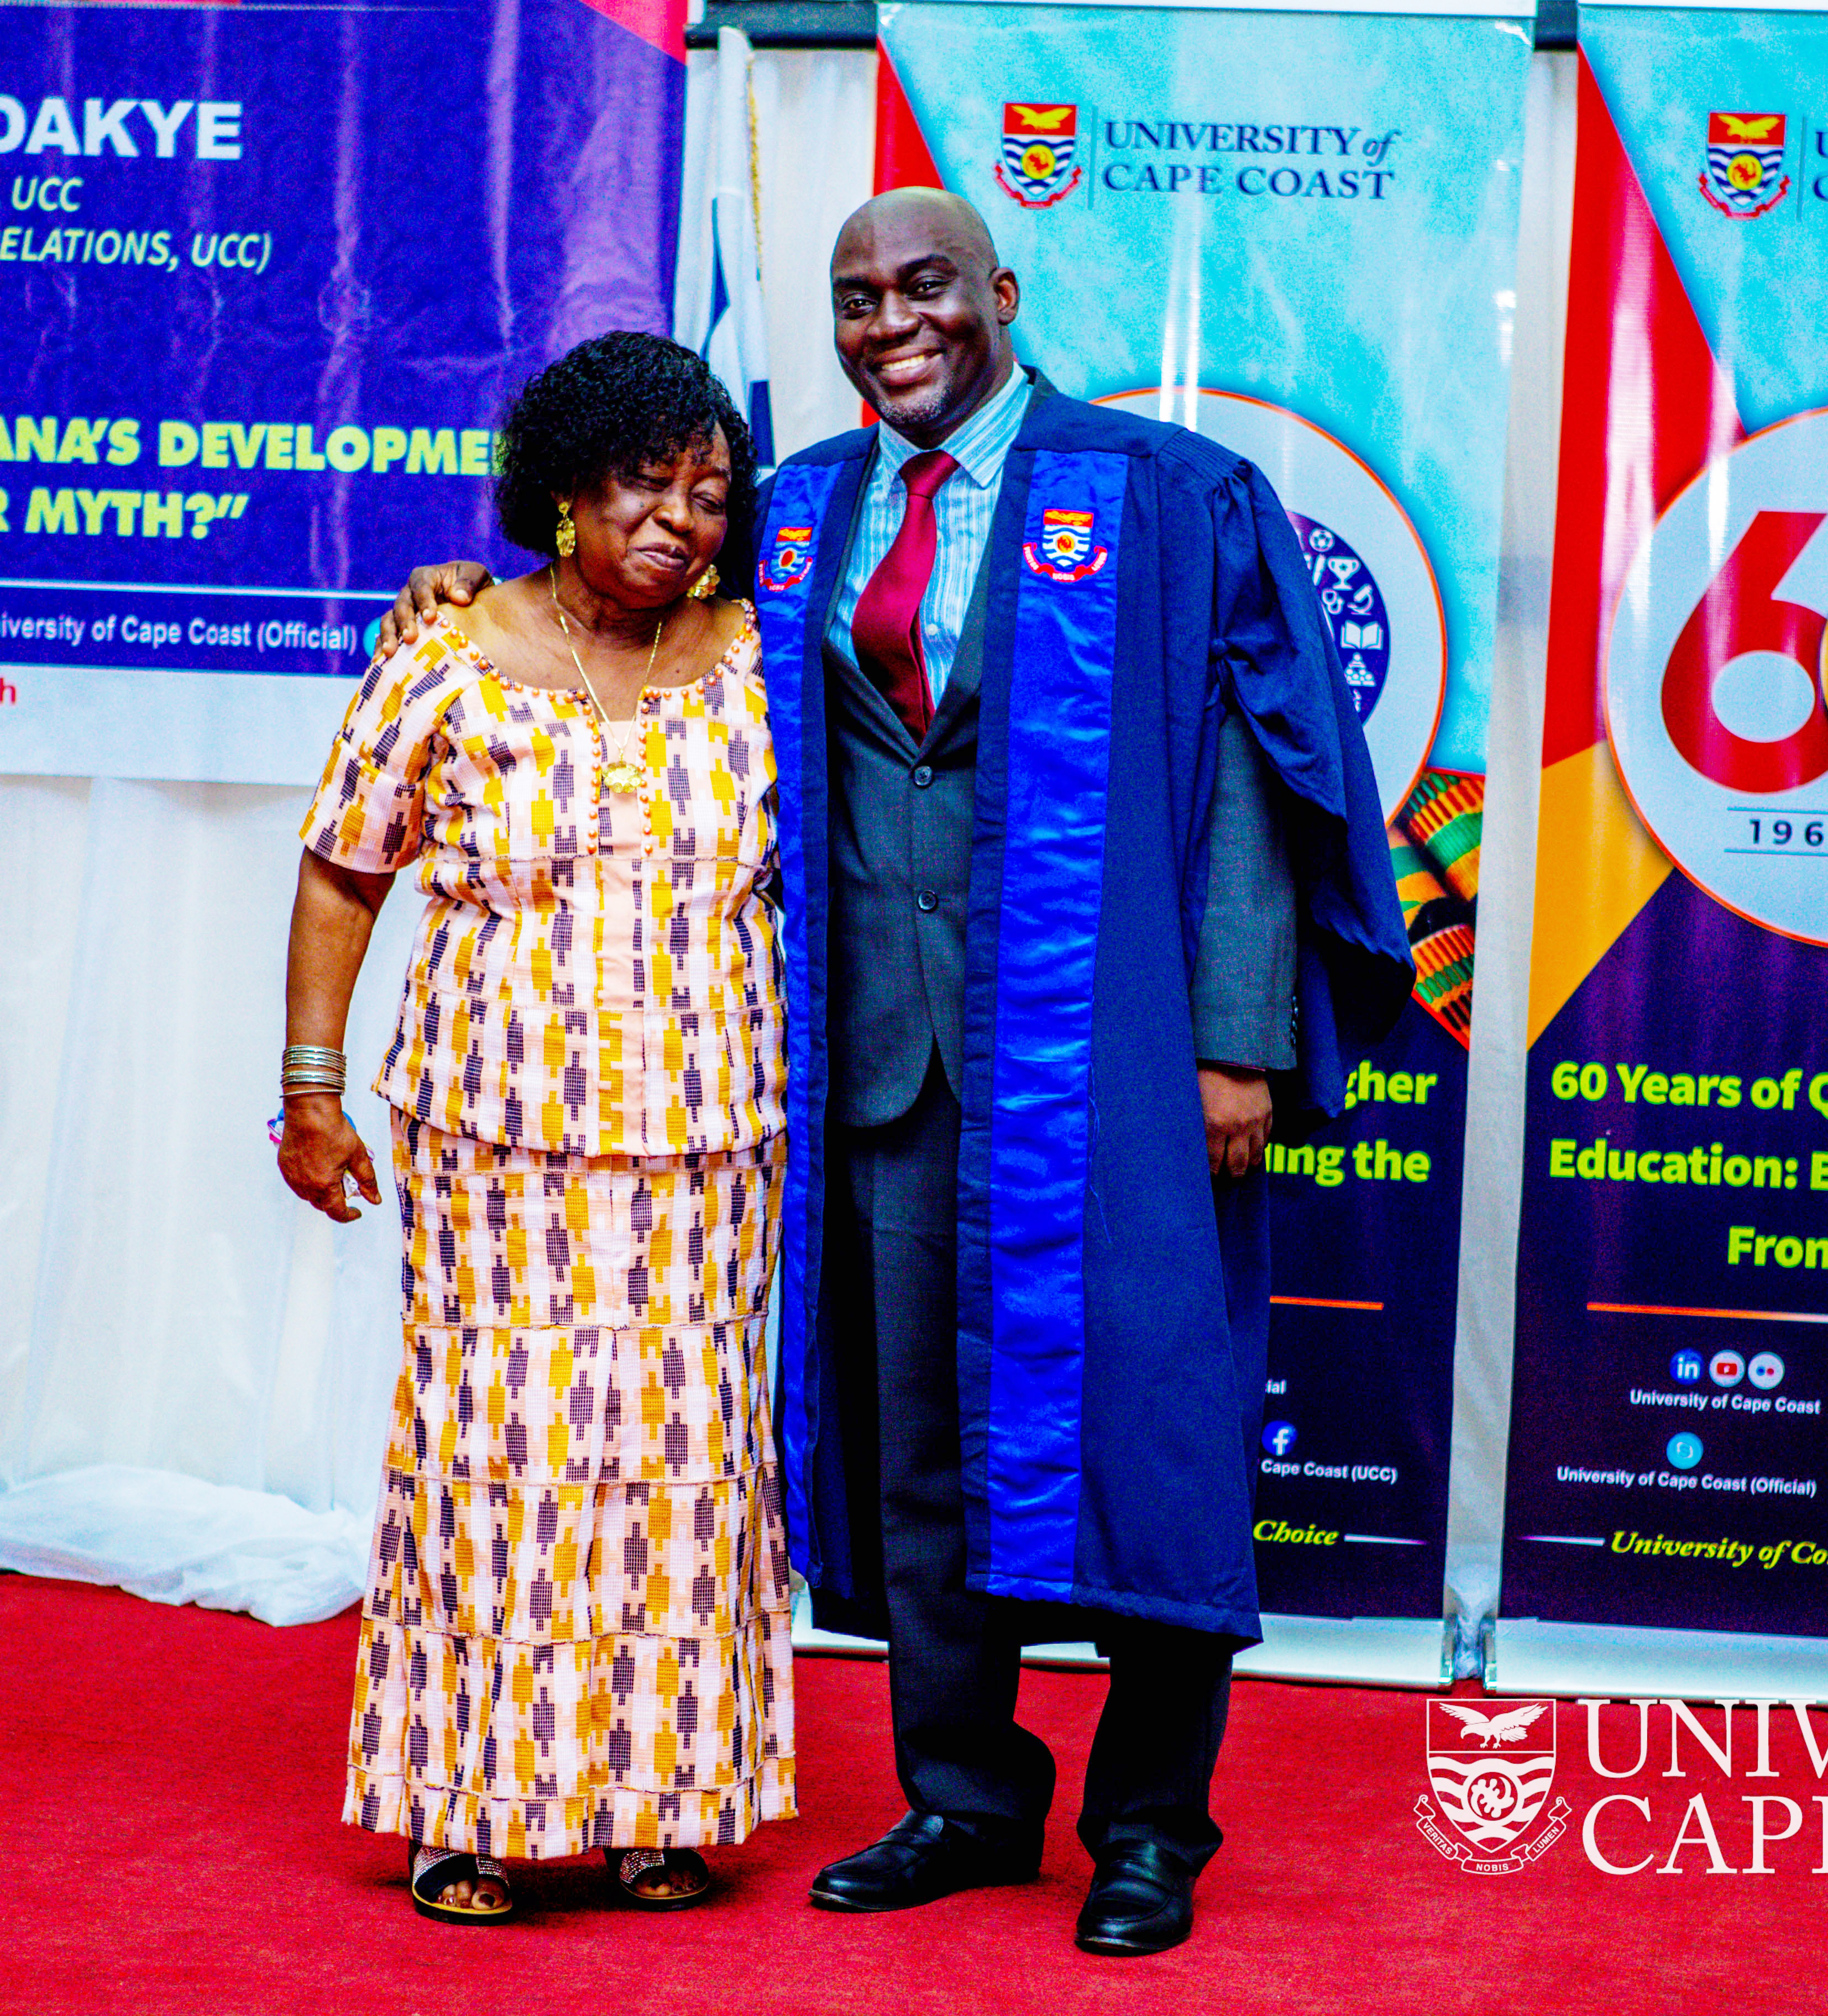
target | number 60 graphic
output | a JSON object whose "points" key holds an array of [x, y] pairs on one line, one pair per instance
{"points": [[1739, 613], [1714, 679]]}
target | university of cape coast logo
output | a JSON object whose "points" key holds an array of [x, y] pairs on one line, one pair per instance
{"points": [[791, 559], [1745, 176], [1039, 143], [1066, 551], [1492, 1769]]}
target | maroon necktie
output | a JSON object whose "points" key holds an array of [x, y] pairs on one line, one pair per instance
{"points": [[886, 631]]}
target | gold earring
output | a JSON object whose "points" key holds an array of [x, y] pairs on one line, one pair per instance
{"points": [[566, 538], [704, 587]]}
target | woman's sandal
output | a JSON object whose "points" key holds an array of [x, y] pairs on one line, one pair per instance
{"points": [[431, 1870], [670, 1866]]}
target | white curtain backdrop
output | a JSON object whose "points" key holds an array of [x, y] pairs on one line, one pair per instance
{"points": [[168, 1306], [816, 138], [195, 1368]]}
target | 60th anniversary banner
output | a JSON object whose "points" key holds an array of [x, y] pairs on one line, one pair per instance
{"points": [[1667, 1464], [1240, 222]]}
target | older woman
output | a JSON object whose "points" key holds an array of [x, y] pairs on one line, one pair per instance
{"points": [[576, 1629]]}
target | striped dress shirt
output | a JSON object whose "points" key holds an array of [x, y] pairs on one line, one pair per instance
{"points": [[965, 504]]}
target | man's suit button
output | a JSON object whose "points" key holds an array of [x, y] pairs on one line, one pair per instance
{"points": [[926, 900], [923, 774]]}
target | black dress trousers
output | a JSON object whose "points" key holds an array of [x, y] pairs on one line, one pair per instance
{"points": [[954, 1654]]}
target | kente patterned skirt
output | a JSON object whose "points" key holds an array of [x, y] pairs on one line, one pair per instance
{"points": [[576, 1634]]}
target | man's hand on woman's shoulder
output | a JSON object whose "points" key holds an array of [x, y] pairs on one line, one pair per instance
{"points": [[459, 582]]}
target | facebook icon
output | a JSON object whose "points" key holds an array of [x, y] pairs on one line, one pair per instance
{"points": [[1278, 1437]]}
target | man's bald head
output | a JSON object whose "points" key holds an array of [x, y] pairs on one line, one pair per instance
{"points": [[922, 310], [946, 219]]}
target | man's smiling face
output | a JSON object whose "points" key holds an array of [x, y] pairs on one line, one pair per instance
{"points": [[921, 311]]}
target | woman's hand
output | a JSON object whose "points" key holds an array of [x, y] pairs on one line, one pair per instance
{"points": [[318, 1147], [459, 582], [332, 916]]}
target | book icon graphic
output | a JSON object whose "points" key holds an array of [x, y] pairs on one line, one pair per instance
{"points": [[1353, 607]]}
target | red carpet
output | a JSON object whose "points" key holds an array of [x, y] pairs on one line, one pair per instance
{"points": [[172, 1779]]}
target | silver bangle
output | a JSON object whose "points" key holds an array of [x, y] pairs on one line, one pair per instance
{"points": [[312, 1067]]}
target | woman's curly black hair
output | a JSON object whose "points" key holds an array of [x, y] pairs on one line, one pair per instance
{"points": [[611, 406]]}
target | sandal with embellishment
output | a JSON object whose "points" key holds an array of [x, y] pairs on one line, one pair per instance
{"points": [[670, 1866], [432, 1870]]}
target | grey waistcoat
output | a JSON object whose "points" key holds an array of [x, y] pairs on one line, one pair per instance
{"points": [[901, 828]]}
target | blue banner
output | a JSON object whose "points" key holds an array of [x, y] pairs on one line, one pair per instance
{"points": [[1296, 233], [269, 275]]}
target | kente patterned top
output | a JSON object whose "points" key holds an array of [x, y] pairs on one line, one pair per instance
{"points": [[593, 975]]}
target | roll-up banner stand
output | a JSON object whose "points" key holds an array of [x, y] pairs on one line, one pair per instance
{"points": [[269, 274], [1295, 233], [1668, 1470]]}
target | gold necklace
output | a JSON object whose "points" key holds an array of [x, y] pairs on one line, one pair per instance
{"points": [[622, 775]]}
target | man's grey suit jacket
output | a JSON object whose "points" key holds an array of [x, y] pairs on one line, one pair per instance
{"points": [[900, 868]]}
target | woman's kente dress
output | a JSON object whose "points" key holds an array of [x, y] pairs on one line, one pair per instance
{"points": [[575, 1633]]}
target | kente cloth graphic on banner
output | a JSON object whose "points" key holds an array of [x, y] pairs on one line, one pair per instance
{"points": [[259, 335], [1296, 233], [1667, 1460]]}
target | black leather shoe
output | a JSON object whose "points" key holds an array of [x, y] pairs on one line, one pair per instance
{"points": [[1140, 1901], [921, 1858]]}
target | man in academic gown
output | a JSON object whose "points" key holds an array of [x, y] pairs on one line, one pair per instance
{"points": [[1082, 853], [1084, 873]]}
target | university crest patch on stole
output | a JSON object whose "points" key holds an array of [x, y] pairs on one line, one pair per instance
{"points": [[791, 558], [1744, 176], [1039, 143], [1066, 551]]}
